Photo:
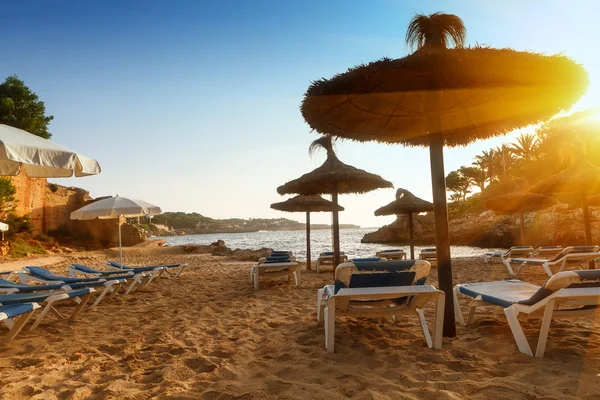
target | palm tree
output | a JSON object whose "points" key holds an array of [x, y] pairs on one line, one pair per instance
{"points": [[435, 30], [525, 146], [504, 157], [485, 162]]}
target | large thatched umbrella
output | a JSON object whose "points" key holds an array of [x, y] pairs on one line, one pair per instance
{"points": [[306, 204], [520, 202], [439, 96], [582, 179], [406, 203], [334, 177]]}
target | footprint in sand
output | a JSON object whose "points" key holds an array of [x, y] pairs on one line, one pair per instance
{"points": [[199, 365]]}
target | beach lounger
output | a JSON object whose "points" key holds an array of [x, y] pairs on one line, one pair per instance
{"points": [[565, 295], [514, 251], [49, 299], [15, 316], [38, 274], [380, 289], [283, 258], [280, 253], [327, 257], [547, 251], [394, 254], [138, 279], [8, 274], [429, 255], [570, 256], [274, 269], [155, 271]]}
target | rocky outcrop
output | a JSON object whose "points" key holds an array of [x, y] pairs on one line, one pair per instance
{"points": [[557, 226]]}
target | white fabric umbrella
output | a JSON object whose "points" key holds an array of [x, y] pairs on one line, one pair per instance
{"points": [[40, 158], [3, 228], [116, 207]]}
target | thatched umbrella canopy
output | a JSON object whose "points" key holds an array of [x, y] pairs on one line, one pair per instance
{"points": [[519, 202], [406, 203], [307, 204], [439, 96], [582, 179], [334, 178]]}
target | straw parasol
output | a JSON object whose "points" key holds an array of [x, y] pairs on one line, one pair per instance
{"points": [[334, 178], [440, 96], [406, 203], [306, 204], [582, 179], [519, 202]]}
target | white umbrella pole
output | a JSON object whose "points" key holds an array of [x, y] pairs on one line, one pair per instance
{"points": [[120, 246]]}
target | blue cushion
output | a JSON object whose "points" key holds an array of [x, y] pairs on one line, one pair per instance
{"points": [[15, 310]]}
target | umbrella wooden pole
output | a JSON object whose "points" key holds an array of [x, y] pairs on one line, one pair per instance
{"points": [[336, 230], [410, 235], [308, 266], [442, 236], [522, 226]]}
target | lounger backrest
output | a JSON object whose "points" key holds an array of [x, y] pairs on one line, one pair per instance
{"points": [[381, 274], [565, 280], [278, 258], [83, 268], [281, 253], [10, 285], [430, 249], [43, 273], [392, 251], [366, 259], [330, 253]]}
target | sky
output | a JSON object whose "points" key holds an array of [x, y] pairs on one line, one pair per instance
{"points": [[194, 105]]}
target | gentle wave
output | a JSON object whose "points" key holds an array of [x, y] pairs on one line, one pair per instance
{"points": [[320, 241]]}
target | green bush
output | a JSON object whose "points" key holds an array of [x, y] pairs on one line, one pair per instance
{"points": [[42, 237], [18, 224], [62, 232], [21, 248], [53, 187]]}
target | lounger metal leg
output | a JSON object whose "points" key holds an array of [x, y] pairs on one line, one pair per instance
{"points": [[517, 330], [320, 299], [330, 324], [256, 275], [545, 329], [474, 304], [424, 327], [547, 270], [17, 326], [107, 288], [41, 316], [440, 302], [251, 274], [180, 270], [318, 267], [508, 267], [297, 277], [136, 282], [84, 301], [457, 312]]}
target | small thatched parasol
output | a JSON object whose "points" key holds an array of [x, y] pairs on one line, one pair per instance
{"points": [[307, 204], [439, 96], [519, 202], [406, 203], [582, 179], [334, 177]]}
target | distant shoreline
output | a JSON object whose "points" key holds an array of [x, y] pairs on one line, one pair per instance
{"points": [[270, 229]]}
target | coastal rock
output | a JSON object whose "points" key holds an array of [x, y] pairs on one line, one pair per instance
{"points": [[557, 226]]}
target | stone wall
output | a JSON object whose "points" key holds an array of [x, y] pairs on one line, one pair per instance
{"points": [[51, 209]]}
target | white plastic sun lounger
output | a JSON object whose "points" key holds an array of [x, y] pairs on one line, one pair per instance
{"points": [[15, 316], [274, 269], [288, 258], [48, 299], [137, 279], [429, 255], [41, 275], [547, 251], [570, 256], [565, 295], [381, 289], [8, 274], [327, 258], [395, 254], [514, 251]]}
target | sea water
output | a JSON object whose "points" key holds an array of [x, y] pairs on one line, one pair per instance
{"points": [[321, 240]]}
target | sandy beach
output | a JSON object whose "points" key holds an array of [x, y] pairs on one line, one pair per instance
{"points": [[209, 335]]}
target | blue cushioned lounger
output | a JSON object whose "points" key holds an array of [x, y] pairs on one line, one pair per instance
{"points": [[159, 270], [137, 279], [49, 299], [10, 312], [514, 251], [377, 289], [38, 274], [566, 294], [573, 255]]}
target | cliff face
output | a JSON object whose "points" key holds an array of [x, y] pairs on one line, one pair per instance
{"points": [[51, 209], [557, 226]]}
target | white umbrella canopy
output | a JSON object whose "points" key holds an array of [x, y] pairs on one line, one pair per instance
{"points": [[40, 158], [113, 208]]}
